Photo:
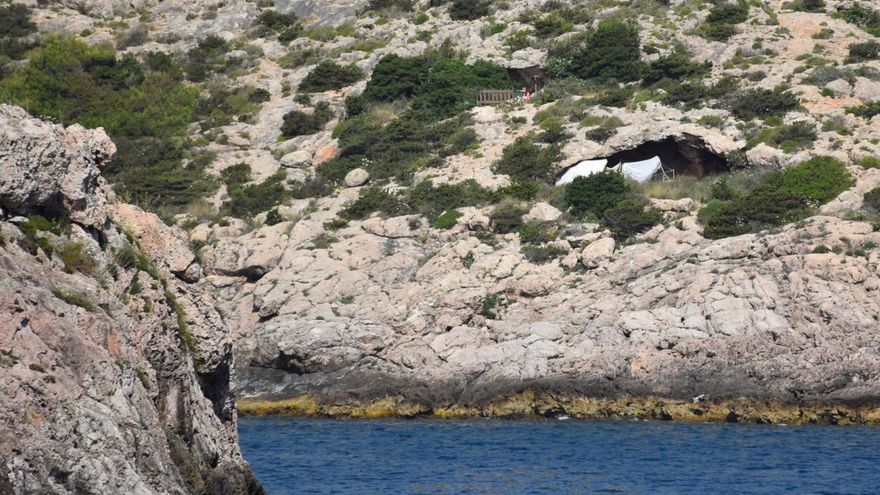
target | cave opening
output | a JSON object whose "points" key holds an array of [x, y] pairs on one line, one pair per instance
{"points": [[688, 155]]}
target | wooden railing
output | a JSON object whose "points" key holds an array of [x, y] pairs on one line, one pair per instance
{"points": [[494, 96]]}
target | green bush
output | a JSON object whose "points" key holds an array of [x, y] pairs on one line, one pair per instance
{"points": [[32, 229], [863, 17], [448, 88], [330, 75], [788, 138], [542, 254], [807, 5], [396, 77], [537, 232], [861, 52], [870, 162], [460, 141], [817, 180], [596, 194], [677, 66], [438, 84], [468, 10], [236, 176], [506, 217], [146, 112], [76, 259], [551, 25], [722, 19], [762, 103], [248, 200], [205, 58], [286, 26], [780, 197], [610, 52], [630, 217], [525, 160], [374, 199], [447, 220], [872, 199], [296, 123], [867, 110], [432, 201], [15, 29]]}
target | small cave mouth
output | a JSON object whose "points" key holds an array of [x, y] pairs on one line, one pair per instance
{"points": [[687, 155]]}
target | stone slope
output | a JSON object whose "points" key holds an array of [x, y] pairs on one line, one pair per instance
{"points": [[115, 375], [392, 308]]}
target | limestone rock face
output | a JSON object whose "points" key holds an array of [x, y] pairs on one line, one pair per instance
{"points": [[44, 165], [158, 241], [115, 376]]}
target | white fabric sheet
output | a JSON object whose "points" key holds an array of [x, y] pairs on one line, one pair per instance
{"points": [[641, 171], [584, 168]]}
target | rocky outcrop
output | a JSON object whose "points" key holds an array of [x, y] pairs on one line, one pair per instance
{"points": [[115, 375], [441, 320], [45, 168]]}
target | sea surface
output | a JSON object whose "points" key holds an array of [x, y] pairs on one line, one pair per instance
{"points": [[360, 457]]}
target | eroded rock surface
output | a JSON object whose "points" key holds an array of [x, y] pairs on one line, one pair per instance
{"points": [[115, 375]]}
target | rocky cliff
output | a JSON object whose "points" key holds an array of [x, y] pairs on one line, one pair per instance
{"points": [[115, 368], [392, 312]]}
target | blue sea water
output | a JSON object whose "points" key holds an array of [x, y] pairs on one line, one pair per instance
{"points": [[497, 457]]}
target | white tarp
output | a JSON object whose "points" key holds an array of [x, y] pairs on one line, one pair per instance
{"points": [[583, 168], [641, 171]]}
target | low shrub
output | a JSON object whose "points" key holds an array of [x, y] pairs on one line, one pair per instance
{"points": [[459, 141], [721, 22], [432, 201], [596, 193], [144, 110], [206, 57], [371, 200], [630, 217], [788, 138], [872, 199], [779, 198], [297, 123], [762, 103], [468, 10], [75, 299], [867, 110], [447, 220], [76, 259], [248, 200], [537, 232], [862, 16], [677, 66], [33, 229], [16, 28], [542, 254], [870, 162], [611, 51], [525, 160], [806, 5], [329, 75], [286, 26], [862, 52], [236, 176], [506, 217]]}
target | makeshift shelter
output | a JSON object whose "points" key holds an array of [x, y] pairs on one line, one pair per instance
{"points": [[583, 168], [644, 170]]}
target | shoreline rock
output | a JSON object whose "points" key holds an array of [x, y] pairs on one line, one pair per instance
{"points": [[534, 405]]}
